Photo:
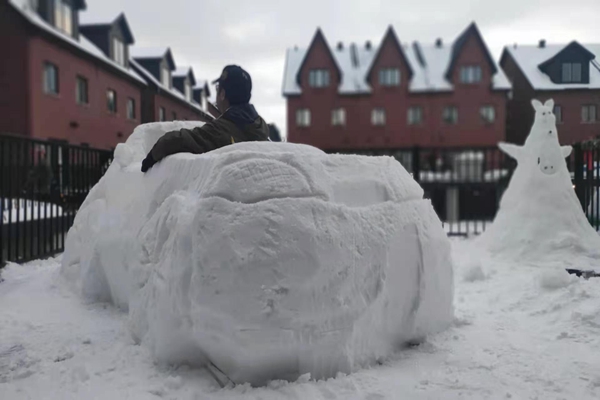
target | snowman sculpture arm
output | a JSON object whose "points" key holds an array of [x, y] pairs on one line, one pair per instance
{"points": [[512, 150], [566, 151]]}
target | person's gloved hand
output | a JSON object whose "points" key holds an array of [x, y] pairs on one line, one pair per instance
{"points": [[148, 162]]}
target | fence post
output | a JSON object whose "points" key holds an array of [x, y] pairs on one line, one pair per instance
{"points": [[578, 178], [416, 164]]}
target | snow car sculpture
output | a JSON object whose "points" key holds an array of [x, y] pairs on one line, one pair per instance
{"points": [[270, 260], [540, 216]]}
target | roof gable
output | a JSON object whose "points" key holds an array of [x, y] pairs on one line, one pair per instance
{"points": [[390, 35], [459, 44], [185, 72], [318, 37]]}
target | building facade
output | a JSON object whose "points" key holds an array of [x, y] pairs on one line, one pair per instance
{"points": [[395, 95], [68, 77], [567, 73]]}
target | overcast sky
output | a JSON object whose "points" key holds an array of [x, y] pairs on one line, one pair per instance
{"points": [[208, 34]]}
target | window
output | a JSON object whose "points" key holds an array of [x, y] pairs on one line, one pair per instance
{"points": [[558, 114], [318, 78], [50, 78], [63, 16], [162, 114], [571, 72], [188, 91], [450, 115], [389, 77], [488, 114], [415, 115], [111, 101], [174, 116], [588, 113], [338, 117], [81, 91], [165, 77], [470, 74], [118, 51], [131, 108], [378, 116], [303, 117]]}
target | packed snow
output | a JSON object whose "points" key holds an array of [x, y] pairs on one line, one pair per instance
{"points": [[540, 216], [270, 260], [519, 333]]}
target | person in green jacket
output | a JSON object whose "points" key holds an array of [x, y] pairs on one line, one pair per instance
{"points": [[238, 122]]}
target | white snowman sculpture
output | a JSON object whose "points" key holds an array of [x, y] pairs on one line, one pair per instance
{"points": [[540, 218]]}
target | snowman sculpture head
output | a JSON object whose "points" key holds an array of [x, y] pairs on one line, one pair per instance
{"points": [[541, 150]]}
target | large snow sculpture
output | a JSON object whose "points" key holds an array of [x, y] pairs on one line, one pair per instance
{"points": [[540, 217], [271, 260]]}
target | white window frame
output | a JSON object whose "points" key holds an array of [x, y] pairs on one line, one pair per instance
{"points": [[51, 82], [131, 108], [415, 115], [338, 117], [165, 77], [558, 113], [587, 116], [390, 77], [78, 92], [188, 91], [378, 116], [118, 51], [488, 114], [471, 74], [303, 117], [63, 17], [571, 72], [450, 115], [318, 78], [108, 91]]}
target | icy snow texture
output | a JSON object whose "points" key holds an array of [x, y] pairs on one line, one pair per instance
{"points": [[540, 218], [272, 259]]}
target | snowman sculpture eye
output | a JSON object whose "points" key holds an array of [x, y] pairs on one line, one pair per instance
{"points": [[539, 160]]}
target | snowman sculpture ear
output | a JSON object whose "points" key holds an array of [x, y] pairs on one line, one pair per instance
{"points": [[566, 151], [550, 104], [537, 105], [511, 149]]}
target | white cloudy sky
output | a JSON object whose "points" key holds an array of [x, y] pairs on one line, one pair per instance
{"points": [[209, 34]]}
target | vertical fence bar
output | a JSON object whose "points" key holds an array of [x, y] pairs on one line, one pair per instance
{"points": [[578, 173]]}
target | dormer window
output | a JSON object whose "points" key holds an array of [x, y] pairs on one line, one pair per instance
{"points": [[318, 78], [63, 16], [470, 74], [389, 77], [571, 72], [165, 76], [118, 55]]}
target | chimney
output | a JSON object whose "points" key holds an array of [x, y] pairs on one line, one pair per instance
{"points": [[296, 48], [438, 43], [368, 45], [542, 44], [340, 46], [514, 46]]}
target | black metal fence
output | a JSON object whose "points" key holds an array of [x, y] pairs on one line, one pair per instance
{"points": [[465, 185], [42, 185]]}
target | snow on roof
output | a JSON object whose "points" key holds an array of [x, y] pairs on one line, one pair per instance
{"points": [[95, 19], [427, 78], [24, 7], [529, 57], [173, 91], [182, 72], [148, 52]]}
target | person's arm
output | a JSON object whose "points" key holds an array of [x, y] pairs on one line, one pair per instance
{"points": [[196, 141]]}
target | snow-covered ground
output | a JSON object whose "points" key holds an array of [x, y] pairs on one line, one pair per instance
{"points": [[521, 332]]}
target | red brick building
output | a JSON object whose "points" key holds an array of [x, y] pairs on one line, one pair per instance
{"points": [[395, 95], [70, 80], [567, 73]]}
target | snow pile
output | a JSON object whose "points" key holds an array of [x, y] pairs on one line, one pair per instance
{"points": [[272, 260], [540, 218]]}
